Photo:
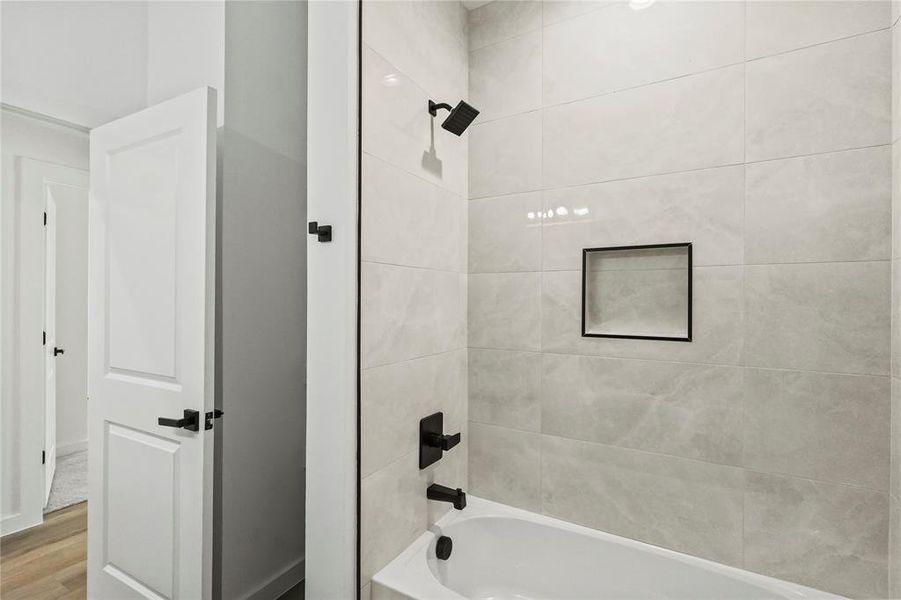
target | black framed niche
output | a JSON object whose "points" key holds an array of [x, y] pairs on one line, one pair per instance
{"points": [[637, 292]]}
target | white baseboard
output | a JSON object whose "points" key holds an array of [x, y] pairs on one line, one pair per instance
{"points": [[71, 448], [279, 583]]}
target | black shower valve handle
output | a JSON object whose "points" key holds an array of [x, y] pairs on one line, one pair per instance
{"points": [[445, 442]]}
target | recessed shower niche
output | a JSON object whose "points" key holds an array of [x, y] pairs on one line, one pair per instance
{"points": [[637, 292]]}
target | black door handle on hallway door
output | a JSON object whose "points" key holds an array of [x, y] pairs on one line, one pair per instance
{"points": [[190, 421], [57, 351]]}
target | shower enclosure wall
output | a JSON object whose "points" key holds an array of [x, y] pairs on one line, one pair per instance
{"points": [[761, 133]]}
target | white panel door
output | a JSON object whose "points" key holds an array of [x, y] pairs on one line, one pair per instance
{"points": [[50, 350], [150, 351]]}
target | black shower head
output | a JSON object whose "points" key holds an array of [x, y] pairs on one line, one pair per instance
{"points": [[459, 118]]}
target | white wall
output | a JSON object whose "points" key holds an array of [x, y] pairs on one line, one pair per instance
{"points": [[92, 62], [21, 137], [185, 49], [84, 62]]}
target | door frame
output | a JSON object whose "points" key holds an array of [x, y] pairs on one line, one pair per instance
{"points": [[29, 352], [333, 272]]}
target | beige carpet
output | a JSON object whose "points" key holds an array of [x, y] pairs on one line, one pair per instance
{"points": [[70, 481]]}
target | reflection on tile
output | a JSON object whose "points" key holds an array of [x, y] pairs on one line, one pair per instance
{"points": [[554, 11], [410, 313], [425, 40], [774, 27], [823, 317], [505, 78], [820, 99], [689, 123], [408, 221], [619, 48], [685, 505], [716, 322], [670, 408], [505, 233], [504, 311], [400, 130], [828, 427], [395, 397], [504, 388], [505, 156], [498, 21], [504, 465], [829, 207], [827, 536], [702, 207]]}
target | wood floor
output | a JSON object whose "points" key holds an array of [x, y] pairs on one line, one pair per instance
{"points": [[47, 562]]}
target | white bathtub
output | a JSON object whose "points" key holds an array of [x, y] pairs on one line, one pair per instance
{"points": [[503, 552]]}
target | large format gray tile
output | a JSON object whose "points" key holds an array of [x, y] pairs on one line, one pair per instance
{"points": [[504, 388], [505, 78], [670, 408], [823, 317], [408, 312], [409, 221], [425, 39], [703, 207], [829, 207], [717, 321], [828, 427], [895, 458], [505, 156], [393, 512], [398, 128], [689, 123], [505, 233], [896, 318], [676, 503], [498, 21], [504, 310], [554, 11], [896, 196], [779, 26], [827, 536], [619, 48], [394, 508], [504, 465], [829, 97], [395, 397], [896, 83], [894, 562]]}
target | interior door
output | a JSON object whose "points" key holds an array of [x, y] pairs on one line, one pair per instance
{"points": [[50, 349], [150, 351]]}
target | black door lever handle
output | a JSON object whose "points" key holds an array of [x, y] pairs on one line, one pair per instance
{"points": [[191, 421], [57, 351]]}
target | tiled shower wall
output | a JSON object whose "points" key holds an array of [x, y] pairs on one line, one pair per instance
{"points": [[413, 293], [895, 489], [762, 133]]}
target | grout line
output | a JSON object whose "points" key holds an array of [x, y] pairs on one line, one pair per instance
{"points": [[683, 171], [415, 358], [414, 267], [610, 357], [457, 195]]}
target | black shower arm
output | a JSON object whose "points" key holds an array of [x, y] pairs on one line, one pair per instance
{"points": [[433, 108]]}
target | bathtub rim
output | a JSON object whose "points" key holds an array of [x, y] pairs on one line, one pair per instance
{"points": [[409, 575]]}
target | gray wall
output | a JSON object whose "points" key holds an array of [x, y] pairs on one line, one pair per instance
{"points": [[262, 300], [414, 266], [760, 131]]}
